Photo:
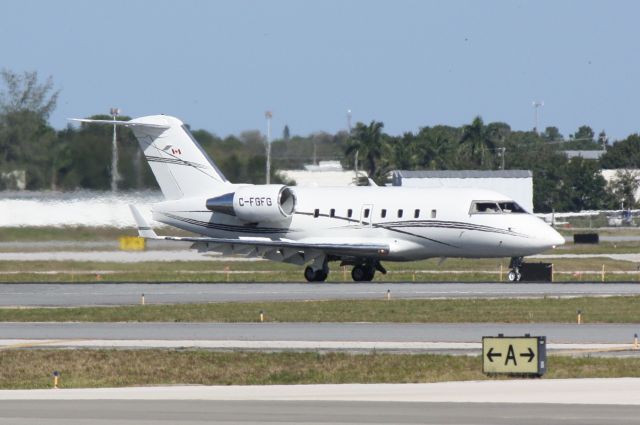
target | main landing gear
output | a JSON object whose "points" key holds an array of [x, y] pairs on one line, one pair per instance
{"points": [[361, 272], [318, 270], [514, 274], [365, 272], [312, 275]]}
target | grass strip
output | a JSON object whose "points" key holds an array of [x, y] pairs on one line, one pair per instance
{"points": [[118, 368], [619, 309], [459, 270]]}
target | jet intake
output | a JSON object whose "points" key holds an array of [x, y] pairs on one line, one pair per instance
{"points": [[256, 204]]}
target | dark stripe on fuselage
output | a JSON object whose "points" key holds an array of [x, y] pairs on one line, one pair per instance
{"points": [[226, 227], [380, 225]]}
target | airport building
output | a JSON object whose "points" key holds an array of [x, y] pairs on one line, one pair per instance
{"points": [[324, 174]]}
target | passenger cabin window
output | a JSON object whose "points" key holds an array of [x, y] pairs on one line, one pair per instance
{"points": [[349, 213], [433, 213], [399, 213], [416, 214], [383, 213], [316, 212], [495, 207], [332, 212], [366, 213]]}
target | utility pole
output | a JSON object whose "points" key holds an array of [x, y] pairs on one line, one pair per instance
{"points": [[268, 116], [114, 153], [536, 104]]}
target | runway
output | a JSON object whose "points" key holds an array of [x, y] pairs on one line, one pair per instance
{"points": [[588, 401], [100, 294], [462, 338]]}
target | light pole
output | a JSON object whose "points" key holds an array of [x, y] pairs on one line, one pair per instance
{"points": [[536, 104], [355, 159], [114, 154], [268, 116]]}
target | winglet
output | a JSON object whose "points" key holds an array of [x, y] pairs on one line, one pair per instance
{"points": [[144, 230]]}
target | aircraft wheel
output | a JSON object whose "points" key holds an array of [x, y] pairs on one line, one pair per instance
{"points": [[309, 274], [315, 275], [514, 276], [363, 273], [321, 275], [371, 272], [358, 274]]}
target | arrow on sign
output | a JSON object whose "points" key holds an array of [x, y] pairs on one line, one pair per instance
{"points": [[491, 354], [530, 354]]}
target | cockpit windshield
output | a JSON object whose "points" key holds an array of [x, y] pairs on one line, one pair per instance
{"points": [[495, 207], [511, 207]]}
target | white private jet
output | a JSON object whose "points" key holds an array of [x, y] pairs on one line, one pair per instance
{"points": [[358, 226]]}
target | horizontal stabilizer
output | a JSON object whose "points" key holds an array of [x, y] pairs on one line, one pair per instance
{"points": [[116, 122], [144, 230]]}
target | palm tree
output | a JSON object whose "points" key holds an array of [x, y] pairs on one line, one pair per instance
{"points": [[369, 142], [476, 139]]}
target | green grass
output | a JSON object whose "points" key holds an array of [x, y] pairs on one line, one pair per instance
{"points": [[594, 310], [118, 368], [465, 270]]}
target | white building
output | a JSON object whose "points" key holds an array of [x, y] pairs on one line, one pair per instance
{"points": [[515, 184], [325, 174]]}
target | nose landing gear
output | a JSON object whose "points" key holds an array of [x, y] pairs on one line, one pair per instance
{"points": [[514, 274]]}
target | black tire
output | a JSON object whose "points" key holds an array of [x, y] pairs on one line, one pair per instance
{"points": [[363, 273], [309, 274], [370, 273], [321, 275], [358, 274], [512, 276]]}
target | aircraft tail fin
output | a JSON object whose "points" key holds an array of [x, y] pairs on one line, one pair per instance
{"points": [[179, 164]]}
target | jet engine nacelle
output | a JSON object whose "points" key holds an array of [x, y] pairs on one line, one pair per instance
{"points": [[256, 204]]}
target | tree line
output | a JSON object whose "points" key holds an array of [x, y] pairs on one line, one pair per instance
{"points": [[80, 157]]}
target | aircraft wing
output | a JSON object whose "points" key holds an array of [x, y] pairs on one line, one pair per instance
{"points": [[297, 252]]}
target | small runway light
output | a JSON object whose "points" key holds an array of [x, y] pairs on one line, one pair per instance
{"points": [[635, 341], [579, 312], [388, 294], [142, 299], [261, 316]]}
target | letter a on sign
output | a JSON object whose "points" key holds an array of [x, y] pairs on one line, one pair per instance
{"points": [[511, 355]]}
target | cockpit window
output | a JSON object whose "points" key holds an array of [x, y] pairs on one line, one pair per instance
{"points": [[511, 207], [484, 207], [495, 207]]}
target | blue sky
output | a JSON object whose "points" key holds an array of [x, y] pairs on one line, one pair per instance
{"points": [[219, 65]]}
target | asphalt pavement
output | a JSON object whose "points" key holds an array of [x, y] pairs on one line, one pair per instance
{"points": [[318, 332], [561, 401], [94, 294], [123, 412]]}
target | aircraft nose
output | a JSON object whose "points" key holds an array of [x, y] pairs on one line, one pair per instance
{"points": [[553, 237]]}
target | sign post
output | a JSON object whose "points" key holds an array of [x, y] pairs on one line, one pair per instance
{"points": [[514, 355]]}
